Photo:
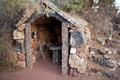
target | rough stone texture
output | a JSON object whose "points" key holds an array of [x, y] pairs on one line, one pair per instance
{"points": [[107, 59], [28, 46], [21, 56], [73, 50], [78, 63], [74, 20], [87, 34], [18, 35], [76, 39], [81, 41], [65, 49], [106, 44]]}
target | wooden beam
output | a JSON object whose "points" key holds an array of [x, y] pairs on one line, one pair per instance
{"points": [[28, 46], [65, 48]]}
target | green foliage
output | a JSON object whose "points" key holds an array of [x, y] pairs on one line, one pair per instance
{"points": [[12, 7], [7, 56], [70, 5]]}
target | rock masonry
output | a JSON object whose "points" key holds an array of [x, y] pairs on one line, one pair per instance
{"points": [[79, 50], [19, 36], [98, 55]]}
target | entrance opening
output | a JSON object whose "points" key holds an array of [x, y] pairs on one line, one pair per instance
{"points": [[47, 39]]}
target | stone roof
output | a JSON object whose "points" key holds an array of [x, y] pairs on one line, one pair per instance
{"points": [[73, 19], [78, 22]]}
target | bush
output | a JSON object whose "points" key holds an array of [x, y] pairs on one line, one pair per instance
{"points": [[10, 12], [7, 56], [12, 7], [70, 5]]}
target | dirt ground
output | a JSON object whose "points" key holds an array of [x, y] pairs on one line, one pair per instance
{"points": [[44, 70]]}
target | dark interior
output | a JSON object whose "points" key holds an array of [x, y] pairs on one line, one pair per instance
{"points": [[48, 31]]}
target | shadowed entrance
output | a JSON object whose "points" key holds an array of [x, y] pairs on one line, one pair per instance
{"points": [[47, 39]]}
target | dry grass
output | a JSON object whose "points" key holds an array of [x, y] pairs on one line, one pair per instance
{"points": [[7, 56]]}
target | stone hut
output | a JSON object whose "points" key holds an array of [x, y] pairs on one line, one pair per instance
{"points": [[60, 32]]}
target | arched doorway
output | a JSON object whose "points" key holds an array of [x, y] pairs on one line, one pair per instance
{"points": [[49, 32]]}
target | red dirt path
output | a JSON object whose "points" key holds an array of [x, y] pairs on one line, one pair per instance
{"points": [[42, 70]]}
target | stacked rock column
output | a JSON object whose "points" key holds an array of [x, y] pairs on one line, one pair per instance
{"points": [[28, 46]]}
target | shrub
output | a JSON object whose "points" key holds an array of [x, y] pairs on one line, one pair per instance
{"points": [[70, 5], [12, 7], [7, 55]]}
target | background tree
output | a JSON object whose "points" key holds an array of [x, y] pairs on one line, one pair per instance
{"points": [[70, 5], [10, 13]]}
